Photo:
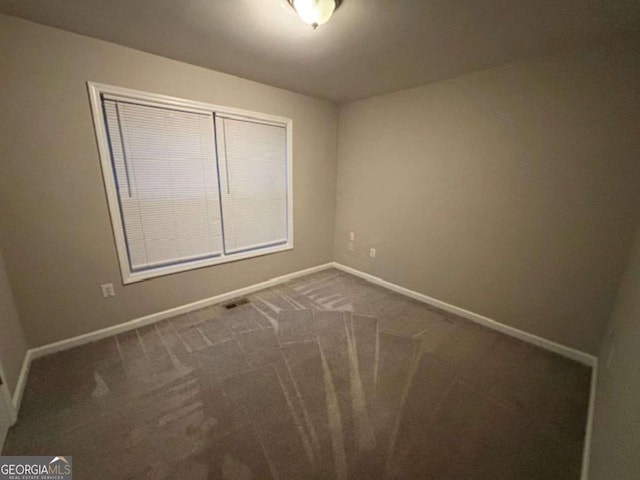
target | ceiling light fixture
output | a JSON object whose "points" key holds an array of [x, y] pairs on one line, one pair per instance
{"points": [[315, 12]]}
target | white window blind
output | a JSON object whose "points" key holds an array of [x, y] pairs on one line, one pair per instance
{"points": [[191, 184], [165, 169], [253, 176]]}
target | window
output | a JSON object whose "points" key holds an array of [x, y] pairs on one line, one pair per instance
{"points": [[191, 184]]}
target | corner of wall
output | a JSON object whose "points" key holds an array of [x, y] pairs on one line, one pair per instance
{"points": [[13, 342]]}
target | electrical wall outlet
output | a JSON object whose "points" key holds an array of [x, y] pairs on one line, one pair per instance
{"points": [[352, 236], [372, 253], [107, 290]]}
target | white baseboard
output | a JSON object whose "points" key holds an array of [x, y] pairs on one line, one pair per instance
{"points": [[586, 452], [7, 413], [90, 337], [68, 343], [577, 355], [22, 380], [6, 401]]}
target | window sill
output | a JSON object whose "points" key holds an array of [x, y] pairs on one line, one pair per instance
{"points": [[129, 277]]}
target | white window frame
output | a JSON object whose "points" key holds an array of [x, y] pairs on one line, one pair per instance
{"points": [[96, 90]]}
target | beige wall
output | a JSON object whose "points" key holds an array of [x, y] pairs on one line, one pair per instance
{"points": [[509, 192], [13, 344], [54, 223], [616, 437]]}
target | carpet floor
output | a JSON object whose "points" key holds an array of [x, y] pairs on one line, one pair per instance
{"points": [[325, 377]]}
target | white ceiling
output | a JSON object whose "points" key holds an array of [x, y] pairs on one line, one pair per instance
{"points": [[369, 47]]}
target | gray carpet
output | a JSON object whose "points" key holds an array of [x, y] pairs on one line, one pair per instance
{"points": [[326, 377]]}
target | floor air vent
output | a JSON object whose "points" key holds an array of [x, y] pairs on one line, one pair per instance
{"points": [[236, 303]]}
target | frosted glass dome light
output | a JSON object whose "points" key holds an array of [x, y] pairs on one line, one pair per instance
{"points": [[315, 12]]}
